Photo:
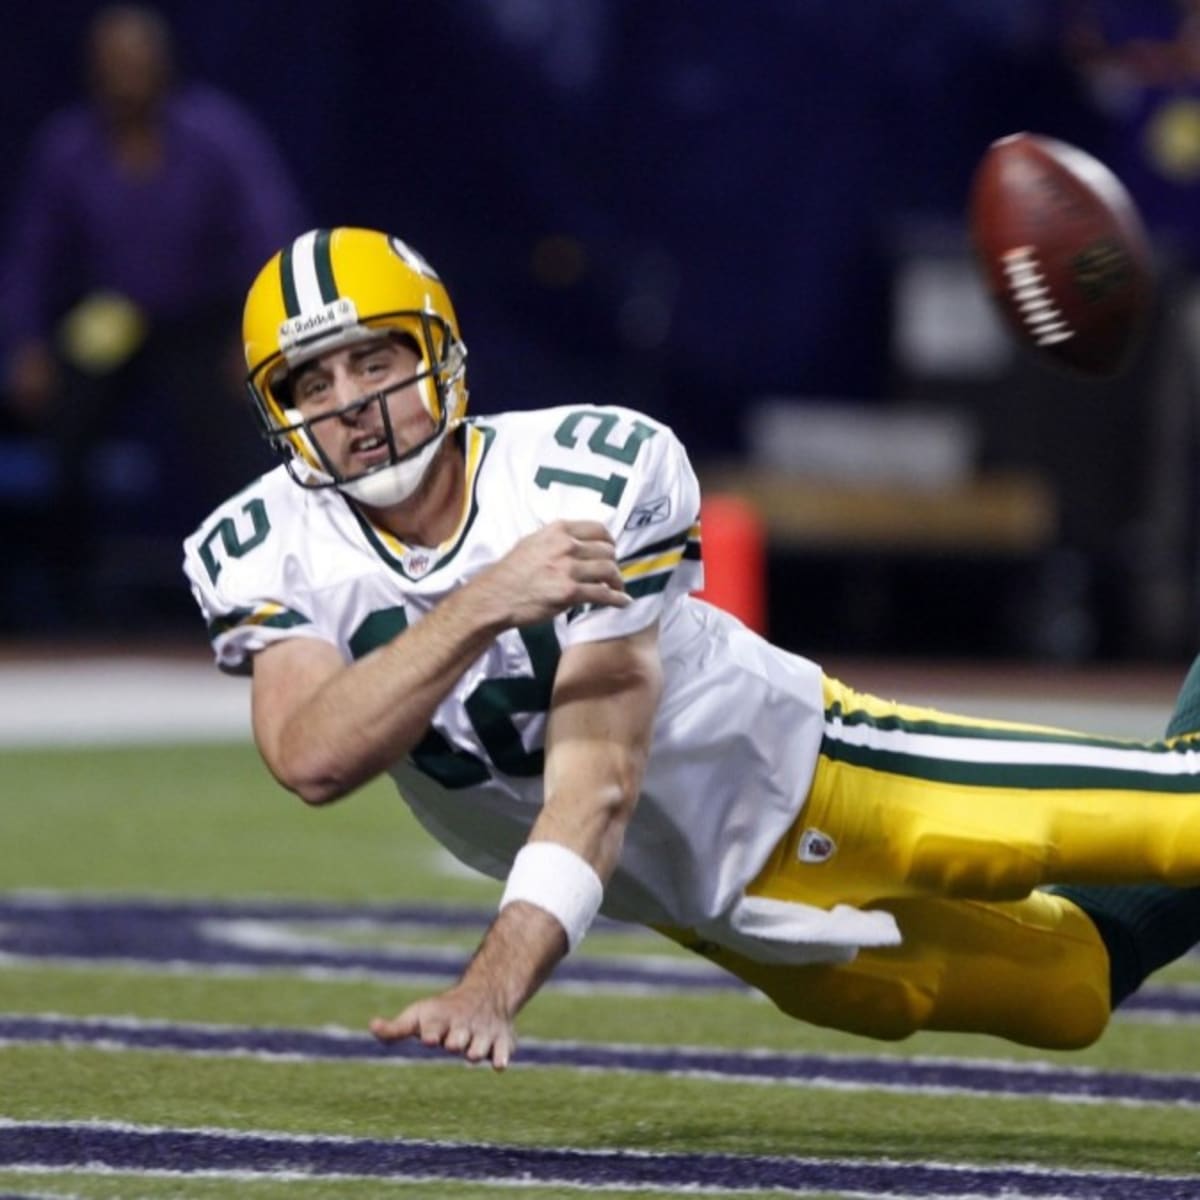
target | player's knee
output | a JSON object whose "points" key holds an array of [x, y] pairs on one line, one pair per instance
{"points": [[889, 1008], [1070, 1018]]}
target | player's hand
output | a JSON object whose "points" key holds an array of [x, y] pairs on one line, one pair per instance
{"points": [[561, 566], [464, 1020]]}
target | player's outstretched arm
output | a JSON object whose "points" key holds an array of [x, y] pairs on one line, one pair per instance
{"points": [[601, 717], [325, 728]]}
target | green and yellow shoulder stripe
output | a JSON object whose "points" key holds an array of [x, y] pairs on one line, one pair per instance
{"points": [[273, 616], [649, 568]]}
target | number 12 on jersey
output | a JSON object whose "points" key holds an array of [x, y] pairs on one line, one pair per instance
{"points": [[612, 486]]}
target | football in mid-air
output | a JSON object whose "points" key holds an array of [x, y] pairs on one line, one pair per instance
{"points": [[1063, 252]]}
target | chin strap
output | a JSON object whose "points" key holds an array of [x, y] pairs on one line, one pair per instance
{"points": [[395, 483]]}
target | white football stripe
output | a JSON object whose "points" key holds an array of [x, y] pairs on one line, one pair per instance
{"points": [[1009, 752]]}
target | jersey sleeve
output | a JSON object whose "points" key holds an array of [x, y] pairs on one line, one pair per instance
{"points": [[655, 521], [248, 592]]}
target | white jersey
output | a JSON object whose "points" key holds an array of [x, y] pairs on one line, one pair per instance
{"points": [[737, 733]]}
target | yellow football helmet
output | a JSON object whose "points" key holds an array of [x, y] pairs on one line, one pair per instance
{"points": [[330, 288]]}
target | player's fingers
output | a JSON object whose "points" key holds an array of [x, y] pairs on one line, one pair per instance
{"points": [[494, 1044], [586, 550], [606, 595], [393, 1029], [599, 571], [433, 1030], [588, 531], [457, 1039], [480, 1047], [502, 1050]]}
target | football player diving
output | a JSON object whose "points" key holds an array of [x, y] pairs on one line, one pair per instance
{"points": [[497, 612]]}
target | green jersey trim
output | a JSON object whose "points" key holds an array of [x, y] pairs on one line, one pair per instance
{"points": [[269, 616], [983, 754]]}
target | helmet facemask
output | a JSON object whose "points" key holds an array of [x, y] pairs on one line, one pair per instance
{"points": [[439, 380]]}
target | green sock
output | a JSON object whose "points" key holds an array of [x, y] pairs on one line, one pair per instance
{"points": [[1147, 926], [1142, 927], [1186, 717]]}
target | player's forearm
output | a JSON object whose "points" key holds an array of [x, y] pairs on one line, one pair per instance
{"points": [[576, 841], [598, 745], [371, 714], [521, 948], [591, 822], [550, 900]]}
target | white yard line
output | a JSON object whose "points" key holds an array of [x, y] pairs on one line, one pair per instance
{"points": [[120, 699], [113, 697]]}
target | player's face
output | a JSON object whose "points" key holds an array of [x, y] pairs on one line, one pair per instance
{"points": [[353, 436]]}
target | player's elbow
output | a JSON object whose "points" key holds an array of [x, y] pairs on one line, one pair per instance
{"points": [[314, 789], [306, 759], [315, 777], [320, 791]]}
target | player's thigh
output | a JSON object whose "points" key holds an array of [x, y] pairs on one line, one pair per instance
{"points": [[912, 801], [1033, 971]]}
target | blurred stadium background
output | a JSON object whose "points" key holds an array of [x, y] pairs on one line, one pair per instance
{"points": [[747, 219]]}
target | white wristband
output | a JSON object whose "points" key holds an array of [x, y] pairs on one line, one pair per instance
{"points": [[558, 881]]}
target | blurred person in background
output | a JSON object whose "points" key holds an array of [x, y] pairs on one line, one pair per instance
{"points": [[1139, 66], [142, 211]]}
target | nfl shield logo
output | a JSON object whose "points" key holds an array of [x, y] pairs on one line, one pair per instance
{"points": [[417, 562], [815, 847]]}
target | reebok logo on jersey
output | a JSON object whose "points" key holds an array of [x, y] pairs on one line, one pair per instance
{"points": [[649, 514], [815, 847]]}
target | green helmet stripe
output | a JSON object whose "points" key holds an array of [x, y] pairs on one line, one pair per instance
{"points": [[324, 264], [287, 279]]}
